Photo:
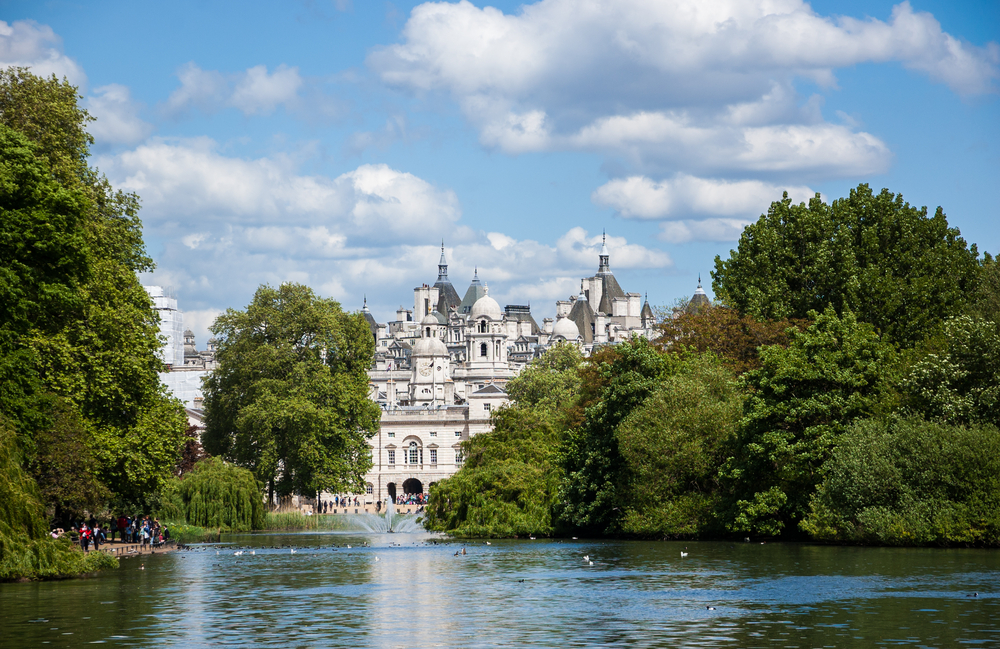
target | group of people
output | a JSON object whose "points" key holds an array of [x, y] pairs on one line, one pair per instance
{"points": [[411, 499], [143, 530], [338, 501]]}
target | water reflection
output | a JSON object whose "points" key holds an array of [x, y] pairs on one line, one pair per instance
{"points": [[410, 590]]}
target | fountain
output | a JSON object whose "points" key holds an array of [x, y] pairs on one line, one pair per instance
{"points": [[386, 522]]}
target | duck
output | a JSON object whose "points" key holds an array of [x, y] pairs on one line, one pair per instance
{"points": [[710, 608], [293, 551], [684, 554]]}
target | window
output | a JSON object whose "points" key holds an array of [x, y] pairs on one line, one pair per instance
{"points": [[414, 453], [459, 457], [482, 349], [458, 433], [391, 434], [434, 456], [482, 326], [487, 406], [392, 456], [369, 489], [434, 434]]}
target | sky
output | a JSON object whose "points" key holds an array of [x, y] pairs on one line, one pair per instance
{"points": [[336, 143]]}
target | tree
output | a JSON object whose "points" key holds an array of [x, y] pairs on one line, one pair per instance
{"points": [[219, 495], [75, 321], [798, 404], [875, 255], [289, 400], [510, 478], [734, 338], [616, 381], [673, 446], [959, 384], [910, 482]]}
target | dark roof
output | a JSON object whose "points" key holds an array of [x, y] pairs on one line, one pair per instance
{"points": [[610, 290], [585, 318], [647, 314], [476, 291], [447, 296], [372, 325], [489, 389]]}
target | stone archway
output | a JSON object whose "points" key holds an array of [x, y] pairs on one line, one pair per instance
{"points": [[412, 486], [391, 490]]}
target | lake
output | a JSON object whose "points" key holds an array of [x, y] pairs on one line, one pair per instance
{"points": [[411, 590]]}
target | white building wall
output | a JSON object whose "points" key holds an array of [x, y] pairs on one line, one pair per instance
{"points": [[171, 326]]}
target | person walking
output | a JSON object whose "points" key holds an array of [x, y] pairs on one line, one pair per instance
{"points": [[85, 538]]}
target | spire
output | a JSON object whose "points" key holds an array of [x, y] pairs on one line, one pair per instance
{"points": [[442, 266], [365, 307], [475, 276], [604, 266], [699, 290]]}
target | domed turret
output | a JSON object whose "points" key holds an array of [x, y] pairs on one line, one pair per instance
{"points": [[429, 344], [566, 329], [486, 307]]}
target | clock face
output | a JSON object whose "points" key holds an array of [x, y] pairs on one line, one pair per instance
{"points": [[425, 371]]}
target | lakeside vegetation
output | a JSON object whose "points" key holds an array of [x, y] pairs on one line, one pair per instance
{"points": [[844, 388]]}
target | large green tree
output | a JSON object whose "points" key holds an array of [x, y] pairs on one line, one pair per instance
{"points": [[910, 482], [617, 380], [289, 400], [673, 446], [890, 263], [798, 405], [75, 323]]}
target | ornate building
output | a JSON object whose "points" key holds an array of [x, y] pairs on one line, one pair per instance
{"points": [[440, 368]]}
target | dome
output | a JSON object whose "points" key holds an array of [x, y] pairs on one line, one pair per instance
{"points": [[486, 306], [429, 347], [430, 319], [566, 328]]}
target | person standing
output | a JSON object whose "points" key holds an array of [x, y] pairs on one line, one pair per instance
{"points": [[85, 538]]}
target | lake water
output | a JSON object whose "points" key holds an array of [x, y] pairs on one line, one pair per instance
{"points": [[410, 590]]}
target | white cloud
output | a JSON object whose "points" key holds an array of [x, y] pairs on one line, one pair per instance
{"points": [[25, 43], [257, 91], [117, 116], [703, 230], [684, 196], [254, 91], [190, 178], [692, 84]]}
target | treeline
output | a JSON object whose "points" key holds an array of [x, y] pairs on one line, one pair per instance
{"points": [[845, 387], [84, 421]]}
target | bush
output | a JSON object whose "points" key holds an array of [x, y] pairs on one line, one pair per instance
{"points": [[219, 495], [910, 482]]}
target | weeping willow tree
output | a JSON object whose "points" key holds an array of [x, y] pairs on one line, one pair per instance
{"points": [[26, 549], [219, 495]]}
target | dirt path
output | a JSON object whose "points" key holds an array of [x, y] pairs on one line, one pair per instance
{"points": [[135, 549]]}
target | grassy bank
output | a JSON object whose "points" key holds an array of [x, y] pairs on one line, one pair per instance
{"points": [[41, 559]]}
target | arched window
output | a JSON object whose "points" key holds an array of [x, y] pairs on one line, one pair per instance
{"points": [[482, 349], [482, 326], [428, 332], [414, 453]]}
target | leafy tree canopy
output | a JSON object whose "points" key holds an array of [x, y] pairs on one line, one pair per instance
{"points": [[74, 320], [289, 400], [615, 381], [798, 404], [673, 445], [910, 482], [872, 254]]}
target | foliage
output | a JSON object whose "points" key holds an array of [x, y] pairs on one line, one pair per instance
{"points": [[289, 521], [289, 398], [985, 303], [874, 255], [510, 478], [220, 495], [910, 482], [64, 464], [961, 384], [673, 446], [621, 378], [26, 550], [798, 404], [74, 320], [734, 338]]}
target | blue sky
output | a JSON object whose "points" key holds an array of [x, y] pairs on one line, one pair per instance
{"points": [[336, 142]]}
